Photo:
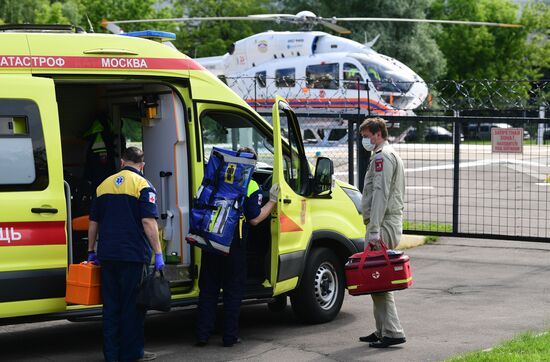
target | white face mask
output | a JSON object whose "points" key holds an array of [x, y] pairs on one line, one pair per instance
{"points": [[367, 144]]}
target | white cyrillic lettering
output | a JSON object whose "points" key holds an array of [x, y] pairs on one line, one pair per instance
{"points": [[50, 62], [4, 238], [15, 235], [60, 62]]}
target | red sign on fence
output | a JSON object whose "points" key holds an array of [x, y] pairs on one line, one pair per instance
{"points": [[507, 140]]}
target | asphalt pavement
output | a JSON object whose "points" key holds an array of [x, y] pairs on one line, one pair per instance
{"points": [[468, 294]]}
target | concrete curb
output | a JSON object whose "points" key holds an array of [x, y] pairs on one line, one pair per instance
{"points": [[411, 241]]}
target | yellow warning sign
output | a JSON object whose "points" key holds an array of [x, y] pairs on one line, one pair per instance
{"points": [[230, 173]]}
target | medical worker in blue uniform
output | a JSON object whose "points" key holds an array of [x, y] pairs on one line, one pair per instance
{"points": [[123, 216], [229, 271]]}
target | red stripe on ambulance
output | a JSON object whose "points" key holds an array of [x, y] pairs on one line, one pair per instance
{"points": [[32, 233], [57, 62]]}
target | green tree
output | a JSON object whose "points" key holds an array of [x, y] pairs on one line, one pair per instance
{"points": [[96, 10], [482, 52], [495, 53], [77, 12], [209, 38], [41, 11], [411, 43], [20, 11]]}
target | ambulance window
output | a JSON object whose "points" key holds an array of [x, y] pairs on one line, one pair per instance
{"points": [[295, 167], [230, 130], [323, 76], [285, 77], [22, 150], [260, 79]]}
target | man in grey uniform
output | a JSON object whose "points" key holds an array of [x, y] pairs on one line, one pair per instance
{"points": [[382, 202]]}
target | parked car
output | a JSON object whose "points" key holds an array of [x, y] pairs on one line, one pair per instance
{"points": [[431, 134], [482, 131]]}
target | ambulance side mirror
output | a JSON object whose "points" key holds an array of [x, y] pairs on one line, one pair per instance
{"points": [[322, 180]]}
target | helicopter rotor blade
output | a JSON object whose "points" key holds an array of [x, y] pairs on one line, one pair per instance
{"points": [[461, 22], [112, 27], [307, 17], [336, 28], [193, 19]]}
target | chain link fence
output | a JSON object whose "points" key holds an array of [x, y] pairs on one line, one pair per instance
{"points": [[457, 183], [308, 95]]}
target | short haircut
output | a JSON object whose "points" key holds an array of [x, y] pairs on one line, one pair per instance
{"points": [[133, 154], [248, 150], [374, 125]]}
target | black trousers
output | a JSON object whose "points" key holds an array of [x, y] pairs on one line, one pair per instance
{"points": [[123, 321], [227, 272]]}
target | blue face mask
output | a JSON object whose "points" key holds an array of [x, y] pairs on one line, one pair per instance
{"points": [[367, 144]]}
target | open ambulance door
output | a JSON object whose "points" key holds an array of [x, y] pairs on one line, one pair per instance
{"points": [[290, 227], [33, 235]]}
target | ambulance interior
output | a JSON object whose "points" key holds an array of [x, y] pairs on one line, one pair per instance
{"points": [[99, 119]]}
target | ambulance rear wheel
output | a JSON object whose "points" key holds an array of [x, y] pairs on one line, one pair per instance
{"points": [[319, 297]]}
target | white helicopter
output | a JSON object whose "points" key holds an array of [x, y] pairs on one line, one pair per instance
{"points": [[314, 69]]}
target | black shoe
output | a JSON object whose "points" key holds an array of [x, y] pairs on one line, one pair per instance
{"points": [[201, 343], [385, 342], [370, 338], [231, 344]]}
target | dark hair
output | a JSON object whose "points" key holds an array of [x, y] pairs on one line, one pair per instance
{"points": [[374, 125], [133, 154], [249, 150]]}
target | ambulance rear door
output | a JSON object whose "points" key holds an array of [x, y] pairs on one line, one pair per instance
{"points": [[33, 247], [292, 228]]}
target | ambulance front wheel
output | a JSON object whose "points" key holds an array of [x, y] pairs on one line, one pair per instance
{"points": [[319, 297]]}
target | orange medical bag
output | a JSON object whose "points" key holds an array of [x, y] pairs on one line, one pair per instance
{"points": [[83, 284]]}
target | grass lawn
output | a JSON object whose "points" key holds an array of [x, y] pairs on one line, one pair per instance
{"points": [[427, 226], [524, 347]]}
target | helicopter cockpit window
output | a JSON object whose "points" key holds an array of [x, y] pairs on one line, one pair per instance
{"points": [[285, 78], [230, 130], [260, 79], [323, 76], [386, 76], [353, 77]]}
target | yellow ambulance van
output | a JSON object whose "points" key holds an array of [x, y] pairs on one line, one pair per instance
{"points": [[70, 102]]}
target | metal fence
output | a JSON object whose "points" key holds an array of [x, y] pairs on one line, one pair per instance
{"points": [[457, 183]]}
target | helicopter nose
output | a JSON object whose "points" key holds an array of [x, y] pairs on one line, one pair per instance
{"points": [[418, 93]]}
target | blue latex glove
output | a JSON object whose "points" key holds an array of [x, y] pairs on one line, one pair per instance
{"points": [[159, 261], [92, 257]]}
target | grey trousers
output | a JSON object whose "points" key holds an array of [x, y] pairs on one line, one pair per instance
{"points": [[385, 315]]}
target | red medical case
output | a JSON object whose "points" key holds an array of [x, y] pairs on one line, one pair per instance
{"points": [[377, 271]]}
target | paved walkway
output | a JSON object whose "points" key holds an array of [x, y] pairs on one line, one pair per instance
{"points": [[469, 294]]}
